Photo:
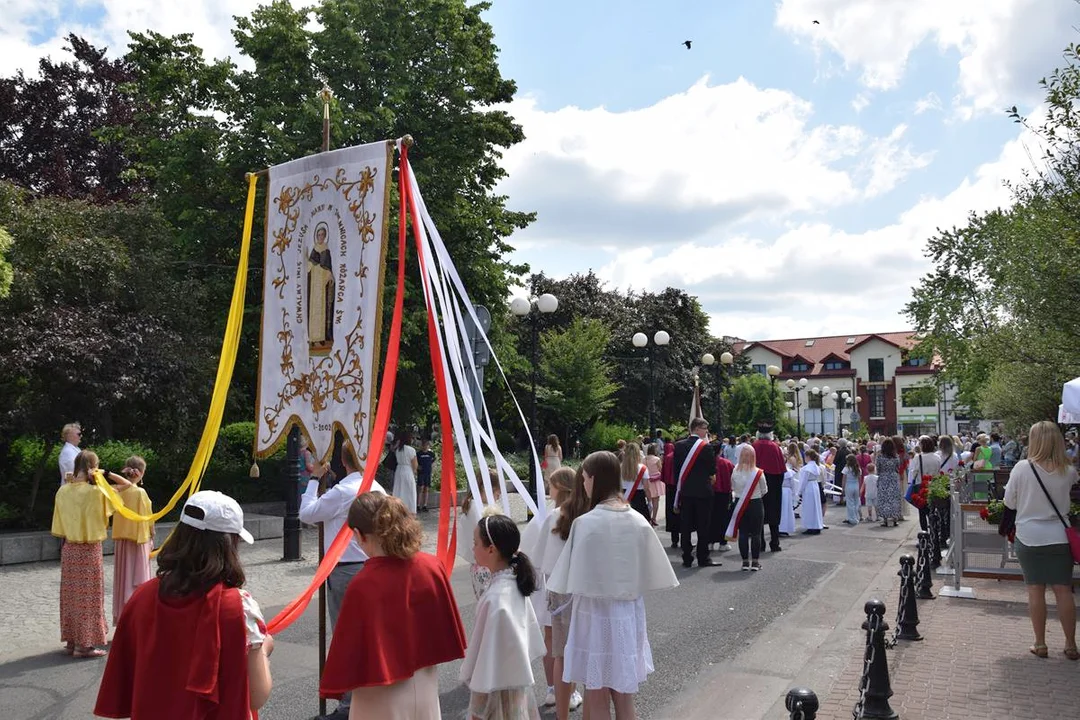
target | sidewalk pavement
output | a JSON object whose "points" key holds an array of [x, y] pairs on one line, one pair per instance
{"points": [[972, 663]]}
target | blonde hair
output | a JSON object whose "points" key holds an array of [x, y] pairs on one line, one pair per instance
{"points": [[562, 484], [389, 520], [67, 429], [85, 461], [794, 456], [747, 451], [631, 459], [1046, 446]]}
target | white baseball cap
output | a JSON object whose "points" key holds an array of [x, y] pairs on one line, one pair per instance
{"points": [[220, 513]]}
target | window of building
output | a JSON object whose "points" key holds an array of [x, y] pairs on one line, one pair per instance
{"points": [[850, 341], [759, 369], [789, 397], [916, 362], [813, 401], [835, 365], [800, 367], [877, 369], [809, 343], [920, 396], [877, 401]]}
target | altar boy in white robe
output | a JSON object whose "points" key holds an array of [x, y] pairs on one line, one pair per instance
{"points": [[506, 638], [787, 503], [813, 519], [611, 559]]}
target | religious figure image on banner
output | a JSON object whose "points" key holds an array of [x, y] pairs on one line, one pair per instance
{"points": [[322, 297], [320, 309]]}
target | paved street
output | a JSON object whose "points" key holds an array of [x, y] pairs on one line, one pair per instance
{"points": [[726, 644]]}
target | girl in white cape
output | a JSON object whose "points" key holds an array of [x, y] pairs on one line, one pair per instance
{"points": [[612, 558], [544, 542], [473, 510], [813, 520], [506, 638], [789, 490]]}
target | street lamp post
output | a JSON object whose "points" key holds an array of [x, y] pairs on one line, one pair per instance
{"points": [[531, 309], [641, 340], [726, 359], [841, 400], [772, 371], [821, 392], [797, 387]]}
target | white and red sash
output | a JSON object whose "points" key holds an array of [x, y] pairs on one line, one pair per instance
{"points": [[695, 450], [732, 532], [637, 483]]}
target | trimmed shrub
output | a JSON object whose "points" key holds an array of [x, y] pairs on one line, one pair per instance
{"points": [[605, 436]]}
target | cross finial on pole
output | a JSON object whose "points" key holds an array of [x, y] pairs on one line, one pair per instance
{"points": [[326, 94]]}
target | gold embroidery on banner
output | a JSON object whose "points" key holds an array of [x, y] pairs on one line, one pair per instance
{"points": [[337, 376]]}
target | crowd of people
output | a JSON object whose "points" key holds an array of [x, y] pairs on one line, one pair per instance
{"points": [[568, 589]]}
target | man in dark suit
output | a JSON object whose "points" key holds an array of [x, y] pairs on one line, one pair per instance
{"points": [[695, 465]]}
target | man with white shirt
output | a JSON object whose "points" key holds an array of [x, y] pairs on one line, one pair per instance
{"points": [[72, 436], [332, 509]]}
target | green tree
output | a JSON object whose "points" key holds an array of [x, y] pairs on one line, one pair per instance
{"points": [[6, 273], [577, 387], [998, 307], [751, 399]]}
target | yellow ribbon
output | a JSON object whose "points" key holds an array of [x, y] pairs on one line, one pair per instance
{"points": [[226, 362]]}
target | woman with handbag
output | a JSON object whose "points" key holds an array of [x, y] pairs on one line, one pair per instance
{"points": [[1045, 544]]}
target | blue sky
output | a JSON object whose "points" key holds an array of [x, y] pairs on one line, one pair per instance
{"points": [[787, 173]]}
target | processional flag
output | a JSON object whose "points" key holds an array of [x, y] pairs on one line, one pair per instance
{"points": [[695, 404], [322, 290]]}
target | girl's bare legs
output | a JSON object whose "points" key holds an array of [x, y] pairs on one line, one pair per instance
{"points": [[655, 502], [1066, 608], [549, 662], [598, 704], [563, 690], [624, 706], [1037, 612]]}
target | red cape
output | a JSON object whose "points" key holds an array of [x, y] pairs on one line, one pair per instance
{"points": [[177, 659], [398, 616]]}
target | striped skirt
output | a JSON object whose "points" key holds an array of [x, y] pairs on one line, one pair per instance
{"points": [[82, 595]]}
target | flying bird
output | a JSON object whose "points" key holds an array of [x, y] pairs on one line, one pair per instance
{"points": [[687, 43], [816, 22]]}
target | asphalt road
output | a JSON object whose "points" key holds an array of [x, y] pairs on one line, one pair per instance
{"points": [[713, 614]]}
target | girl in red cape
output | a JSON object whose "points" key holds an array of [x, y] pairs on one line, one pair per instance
{"points": [[397, 623], [191, 644]]}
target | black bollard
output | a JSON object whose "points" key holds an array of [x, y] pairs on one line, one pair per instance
{"points": [[933, 522], [874, 687], [923, 574], [907, 617], [802, 704]]}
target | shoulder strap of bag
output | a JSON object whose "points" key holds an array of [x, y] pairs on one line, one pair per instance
{"points": [[1031, 464]]}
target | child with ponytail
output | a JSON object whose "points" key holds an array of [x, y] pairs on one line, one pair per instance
{"points": [[506, 638]]}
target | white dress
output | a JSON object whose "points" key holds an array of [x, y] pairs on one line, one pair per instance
{"points": [[810, 484], [787, 503], [543, 548], [405, 478], [611, 559]]}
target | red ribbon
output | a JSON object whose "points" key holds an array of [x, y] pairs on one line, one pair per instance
{"points": [[291, 612], [447, 538]]}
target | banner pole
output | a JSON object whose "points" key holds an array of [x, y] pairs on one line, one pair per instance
{"points": [[326, 95]]}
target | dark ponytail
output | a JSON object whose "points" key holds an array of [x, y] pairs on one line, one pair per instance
{"points": [[503, 533]]}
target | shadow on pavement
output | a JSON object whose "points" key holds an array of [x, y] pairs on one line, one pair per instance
{"points": [[45, 661]]}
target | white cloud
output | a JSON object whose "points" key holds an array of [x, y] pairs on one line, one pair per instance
{"points": [[706, 157], [812, 278], [928, 102], [860, 103], [1003, 44]]}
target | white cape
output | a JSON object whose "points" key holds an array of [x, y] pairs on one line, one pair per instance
{"points": [[612, 552], [541, 545], [505, 640], [787, 503]]}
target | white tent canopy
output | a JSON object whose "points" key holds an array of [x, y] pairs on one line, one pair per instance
{"points": [[1070, 397]]}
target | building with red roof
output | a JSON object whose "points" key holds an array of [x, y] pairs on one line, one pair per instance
{"points": [[890, 389]]}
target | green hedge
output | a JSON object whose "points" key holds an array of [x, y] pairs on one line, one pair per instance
{"points": [[605, 436]]}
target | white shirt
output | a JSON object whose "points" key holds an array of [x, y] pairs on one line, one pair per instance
{"points": [[1036, 522], [950, 463], [740, 483], [332, 509], [928, 463], [68, 453]]}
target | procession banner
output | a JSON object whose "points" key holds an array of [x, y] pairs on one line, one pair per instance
{"points": [[322, 291]]}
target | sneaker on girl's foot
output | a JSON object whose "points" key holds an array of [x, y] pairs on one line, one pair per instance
{"points": [[549, 699], [575, 700]]}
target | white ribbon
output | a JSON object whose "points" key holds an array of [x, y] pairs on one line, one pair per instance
{"points": [[442, 284]]}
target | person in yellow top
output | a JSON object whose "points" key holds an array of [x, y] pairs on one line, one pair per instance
{"points": [[132, 539], [80, 518]]}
